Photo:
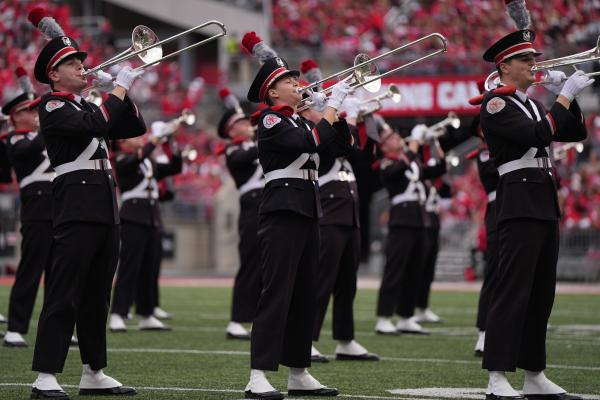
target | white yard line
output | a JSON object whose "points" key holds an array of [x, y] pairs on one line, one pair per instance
{"points": [[393, 359]]}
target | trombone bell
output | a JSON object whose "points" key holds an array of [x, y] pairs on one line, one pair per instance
{"points": [[143, 37], [366, 72]]}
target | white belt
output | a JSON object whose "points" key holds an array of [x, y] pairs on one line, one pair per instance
{"points": [[46, 177], [307, 174], [100, 164], [246, 187], [491, 196], [540, 162], [343, 176], [404, 197]]}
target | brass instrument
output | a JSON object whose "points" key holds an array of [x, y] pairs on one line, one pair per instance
{"points": [[187, 118], [439, 128], [148, 48], [560, 152], [365, 73], [374, 104], [189, 153], [94, 97], [573, 60]]}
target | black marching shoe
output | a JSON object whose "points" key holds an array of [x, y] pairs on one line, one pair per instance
{"points": [[48, 394], [492, 396], [357, 357], [318, 358], [478, 353], [15, 344], [323, 392], [113, 391], [273, 395], [238, 337], [556, 396]]}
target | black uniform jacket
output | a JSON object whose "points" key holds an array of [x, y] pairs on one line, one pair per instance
{"points": [[68, 125], [281, 140], [129, 171], [488, 175], [399, 174], [5, 169], [26, 153], [432, 170], [510, 133], [339, 198], [241, 157]]}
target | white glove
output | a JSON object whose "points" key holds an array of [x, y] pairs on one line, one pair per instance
{"points": [[339, 91], [126, 76], [555, 81], [103, 82], [351, 106], [160, 130], [418, 133], [575, 85], [318, 100]]}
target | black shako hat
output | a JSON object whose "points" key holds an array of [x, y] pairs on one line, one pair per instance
{"points": [[229, 118], [53, 53], [272, 70], [19, 103], [519, 42]]}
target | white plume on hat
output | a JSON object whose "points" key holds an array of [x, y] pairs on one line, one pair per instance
{"points": [[255, 45], [517, 9]]}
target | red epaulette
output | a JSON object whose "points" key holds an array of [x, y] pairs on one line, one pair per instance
{"points": [[254, 117], [35, 102], [472, 154], [285, 110], [238, 140], [503, 90], [220, 148], [64, 95]]}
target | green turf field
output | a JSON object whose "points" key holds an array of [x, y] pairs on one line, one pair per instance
{"points": [[195, 361]]}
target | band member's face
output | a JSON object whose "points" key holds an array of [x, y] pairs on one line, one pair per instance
{"points": [[284, 91], [391, 142], [242, 127], [518, 70], [26, 119], [68, 75]]}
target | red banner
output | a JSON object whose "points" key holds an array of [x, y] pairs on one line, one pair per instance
{"points": [[430, 96]]}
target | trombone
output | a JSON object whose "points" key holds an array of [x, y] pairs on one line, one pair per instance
{"points": [[560, 152], [146, 46], [376, 103], [365, 72], [572, 60], [187, 118], [94, 97], [439, 128]]}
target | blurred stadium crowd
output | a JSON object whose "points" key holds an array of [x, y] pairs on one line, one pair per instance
{"points": [[563, 26]]}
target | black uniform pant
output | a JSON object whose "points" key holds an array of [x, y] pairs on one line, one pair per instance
{"points": [[84, 259], [405, 257], [282, 327], [489, 273], [247, 284], [338, 264], [36, 259], [522, 301], [139, 265], [431, 255]]}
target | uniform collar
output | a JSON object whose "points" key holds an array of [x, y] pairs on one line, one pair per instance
{"points": [[522, 96]]}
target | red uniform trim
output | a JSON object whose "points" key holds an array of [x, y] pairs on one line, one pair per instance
{"points": [[62, 53]]}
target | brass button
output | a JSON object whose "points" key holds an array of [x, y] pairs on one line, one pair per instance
{"points": [[286, 184], [83, 182], [524, 179], [331, 196]]}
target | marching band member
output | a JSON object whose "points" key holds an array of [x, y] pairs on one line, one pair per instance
{"points": [[288, 229], [85, 215], [27, 155], [339, 254], [434, 166], [241, 156], [137, 176], [518, 131]]}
